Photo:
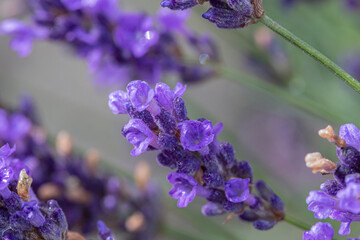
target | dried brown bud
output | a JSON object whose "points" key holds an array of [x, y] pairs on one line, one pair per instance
{"points": [[64, 144], [317, 163], [258, 9], [135, 222], [23, 186], [49, 191], [74, 236], [75, 192], [142, 174], [92, 160], [329, 134], [199, 176]]}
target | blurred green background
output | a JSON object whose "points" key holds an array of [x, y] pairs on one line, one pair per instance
{"points": [[271, 134]]}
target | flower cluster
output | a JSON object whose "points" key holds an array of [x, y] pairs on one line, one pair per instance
{"points": [[321, 231], [339, 198], [84, 193], [22, 215], [119, 46], [204, 166], [225, 14]]}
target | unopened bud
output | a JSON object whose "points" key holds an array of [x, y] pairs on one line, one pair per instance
{"points": [[317, 163], [23, 186], [142, 174], [329, 134], [135, 222], [74, 236], [64, 144]]}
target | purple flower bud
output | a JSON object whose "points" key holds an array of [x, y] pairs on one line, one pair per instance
{"points": [[242, 6], [355, 178], [212, 209], [242, 170], [167, 141], [249, 216], [104, 232], [172, 20], [140, 94], [188, 165], [166, 122], [118, 101], [342, 171], [6, 151], [237, 190], [350, 198], [72, 4], [185, 188], [164, 95], [179, 89], [180, 111], [135, 32], [22, 35], [226, 18], [20, 221], [233, 207], [331, 187], [4, 218], [320, 203], [351, 157], [217, 196], [263, 224], [140, 135], [49, 230], [351, 134], [264, 190], [195, 134], [227, 155], [277, 203], [166, 161], [179, 4], [31, 209], [320, 230], [13, 203], [213, 179]]}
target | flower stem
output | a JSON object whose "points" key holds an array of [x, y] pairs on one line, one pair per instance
{"points": [[318, 56], [297, 223]]}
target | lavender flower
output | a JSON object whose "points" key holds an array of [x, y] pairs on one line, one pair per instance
{"points": [[319, 231], [339, 198], [119, 46], [84, 193], [229, 14], [204, 166]]}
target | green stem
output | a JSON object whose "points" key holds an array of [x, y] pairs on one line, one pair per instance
{"points": [[302, 103], [297, 223], [318, 56]]}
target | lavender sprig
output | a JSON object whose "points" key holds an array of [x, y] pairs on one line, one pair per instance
{"points": [[204, 166], [119, 46], [339, 198], [84, 193]]}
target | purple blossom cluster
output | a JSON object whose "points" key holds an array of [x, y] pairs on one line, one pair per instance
{"points": [[118, 46], [84, 193], [22, 214], [321, 231], [339, 198], [225, 14], [204, 166]]}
